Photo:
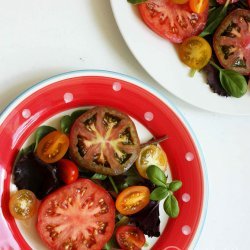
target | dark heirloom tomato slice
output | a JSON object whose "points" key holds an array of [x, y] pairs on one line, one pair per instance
{"points": [[172, 21], [232, 41], [77, 216], [104, 140]]}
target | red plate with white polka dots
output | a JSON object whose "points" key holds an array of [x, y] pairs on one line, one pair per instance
{"points": [[151, 111]]}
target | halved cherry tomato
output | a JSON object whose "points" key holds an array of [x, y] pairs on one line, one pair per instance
{"points": [[22, 204], [198, 6], [132, 199], [195, 52], [67, 171], [180, 1], [130, 237], [77, 216], [104, 140], [172, 21], [52, 147], [151, 155], [231, 41]]}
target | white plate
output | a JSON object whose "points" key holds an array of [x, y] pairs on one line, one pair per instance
{"points": [[160, 60]]}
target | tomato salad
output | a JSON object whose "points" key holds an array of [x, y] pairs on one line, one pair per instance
{"points": [[210, 35], [95, 182]]}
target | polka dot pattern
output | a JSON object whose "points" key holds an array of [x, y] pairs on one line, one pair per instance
{"points": [[186, 197], [189, 156], [149, 116], [26, 113], [186, 230], [68, 97], [117, 86]]}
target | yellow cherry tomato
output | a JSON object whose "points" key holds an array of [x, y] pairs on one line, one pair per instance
{"points": [[195, 52], [198, 6], [151, 155]]}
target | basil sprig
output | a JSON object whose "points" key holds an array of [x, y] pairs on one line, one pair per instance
{"points": [[164, 190], [136, 1], [216, 15], [233, 82]]}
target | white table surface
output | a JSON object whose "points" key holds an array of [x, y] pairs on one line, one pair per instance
{"points": [[39, 39]]}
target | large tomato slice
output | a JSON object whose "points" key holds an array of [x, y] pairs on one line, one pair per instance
{"points": [[172, 21], [232, 41], [104, 140], [77, 216]]}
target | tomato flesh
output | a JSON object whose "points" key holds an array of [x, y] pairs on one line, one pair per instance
{"points": [[77, 216], [195, 52], [104, 140], [130, 238], [67, 171], [22, 204], [172, 21], [232, 41], [52, 147], [132, 199]]}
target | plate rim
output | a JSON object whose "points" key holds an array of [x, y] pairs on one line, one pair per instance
{"points": [[104, 73]]}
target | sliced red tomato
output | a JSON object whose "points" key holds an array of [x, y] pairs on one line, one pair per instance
{"points": [[172, 21], [104, 140], [77, 216], [130, 237], [232, 41], [67, 171], [52, 147], [224, 1], [132, 199]]}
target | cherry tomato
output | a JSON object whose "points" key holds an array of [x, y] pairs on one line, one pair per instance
{"points": [[104, 140], [67, 171], [52, 147], [22, 204], [132, 199], [231, 41], [77, 216], [198, 6], [172, 21], [195, 52], [180, 1], [151, 155], [130, 237]]}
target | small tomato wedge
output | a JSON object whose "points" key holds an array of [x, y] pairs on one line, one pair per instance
{"points": [[198, 6], [195, 52], [172, 21], [130, 237], [151, 155], [77, 216], [67, 171], [104, 140], [231, 41], [22, 204], [52, 147], [132, 199]]}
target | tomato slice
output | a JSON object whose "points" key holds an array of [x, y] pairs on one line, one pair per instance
{"points": [[22, 204], [151, 155], [231, 41], [104, 140], [195, 52], [67, 171], [132, 199], [130, 237], [172, 21], [52, 147], [77, 216], [198, 6]]}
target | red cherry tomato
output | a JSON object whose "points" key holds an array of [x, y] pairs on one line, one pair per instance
{"points": [[130, 238], [67, 170]]}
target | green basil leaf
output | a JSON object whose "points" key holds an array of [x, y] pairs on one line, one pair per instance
{"points": [[156, 176], [65, 124], [136, 1], [41, 132], [97, 176], [171, 206], [77, 113], [111, 244], [214, 19], [175, 185], [159, 193], [233, 82]]}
